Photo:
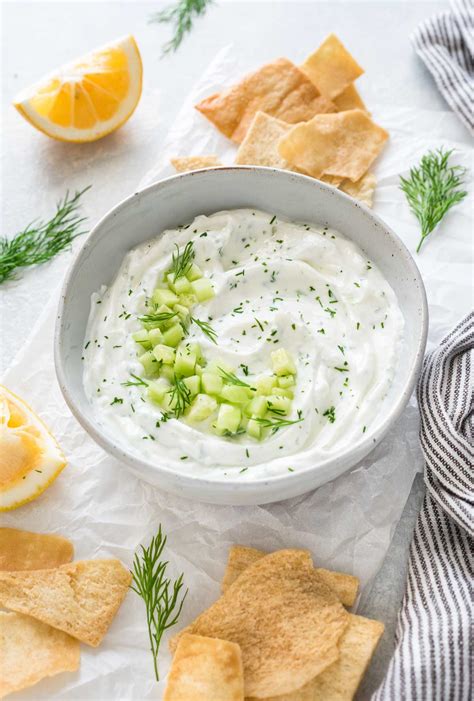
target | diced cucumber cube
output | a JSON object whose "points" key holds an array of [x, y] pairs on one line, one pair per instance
{"points": [[198, 369], [183, 312], [167, 323], [185, 361], [286, 381], [155, 336], [203, 289], [201, 408], [164, 354], [212, 383], [163, 296], [196, 349], [280, 404], [193, 383], [194, 272], [264, 384], [180, 286], [141, 337], [167, 371], [235, 394], [283, 392], [228, 418], [282, 363], [173, 335], [187, 300], [254, 429], [150, 363], [257, 407], [157, 390]]}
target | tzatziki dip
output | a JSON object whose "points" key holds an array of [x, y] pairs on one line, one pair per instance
{"points": [[242, 343]]}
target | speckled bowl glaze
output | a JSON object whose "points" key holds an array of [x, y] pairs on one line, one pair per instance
{"points": [[177, 200]]}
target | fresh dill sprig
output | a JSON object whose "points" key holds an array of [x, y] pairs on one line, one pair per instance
{"points": [[233, 379], [137, 382], [431, 189], [180, 397], [276, 424], [163, 598], [181, 262], [41, 241], [156, 318], [181, 15], [206, 328]]}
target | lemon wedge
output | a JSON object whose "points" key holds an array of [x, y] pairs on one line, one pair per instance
{"points": [[88, 98], [30, 458]]}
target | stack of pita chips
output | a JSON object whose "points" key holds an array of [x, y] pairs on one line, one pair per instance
{"points": [[52, 604], [280, 631], [309, 119]]}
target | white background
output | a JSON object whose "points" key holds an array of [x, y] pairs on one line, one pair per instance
{"points": [[36, 171]]}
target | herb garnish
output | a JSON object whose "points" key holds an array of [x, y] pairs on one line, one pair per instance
{"points": [[431, 189], [276, 424], [206, 328], [233, 379], [156, 318], [181, 262], [181, 15], [180, 396], [330, 414], [41, 241], [139, 382], [163, 599]]}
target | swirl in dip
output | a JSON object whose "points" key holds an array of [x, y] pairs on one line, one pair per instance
{"points": [[278, 284]]}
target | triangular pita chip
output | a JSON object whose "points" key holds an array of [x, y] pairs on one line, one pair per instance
{"points": [[331, 67], [340, 681], [279, 88], [345, 586], [205, 669], [362, 190], [81, 598], [24, 550], [344, 144], [31, 650], [349, 99], [184, 163], [286, 621]]}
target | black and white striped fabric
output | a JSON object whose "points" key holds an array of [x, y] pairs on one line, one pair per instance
{"points": [[433, 655], [446, 45]]}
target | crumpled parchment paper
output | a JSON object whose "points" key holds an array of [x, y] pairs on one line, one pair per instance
{"points": [[347, 524]]}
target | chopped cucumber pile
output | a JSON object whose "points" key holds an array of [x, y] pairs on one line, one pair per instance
{"points": [[179, 380]]}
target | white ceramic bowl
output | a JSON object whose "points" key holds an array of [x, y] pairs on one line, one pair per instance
{"points": [[178, 200]]}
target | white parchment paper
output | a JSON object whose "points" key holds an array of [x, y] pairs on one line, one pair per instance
{"points": [[347, 524]]}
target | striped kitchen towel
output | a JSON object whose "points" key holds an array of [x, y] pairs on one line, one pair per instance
{"points": [[446, 45], [433, 655]]}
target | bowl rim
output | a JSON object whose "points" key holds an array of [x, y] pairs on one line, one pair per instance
{"points": [[228, 484]]}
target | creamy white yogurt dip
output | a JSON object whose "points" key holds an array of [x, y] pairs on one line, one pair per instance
{"points": [[278, 284]]}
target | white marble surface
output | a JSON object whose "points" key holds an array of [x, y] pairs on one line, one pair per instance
{"points": [[36, 36]]}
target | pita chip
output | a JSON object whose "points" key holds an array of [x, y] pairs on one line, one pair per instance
{"points": [[205, 669], [343, 144], [340, 681], [345, 586], [24, 550], [31, 650], [331, 67], [184, 163], [349, 99], [362, 190], [80, 598], [260, 146], [279, 89], [286, 621]]}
